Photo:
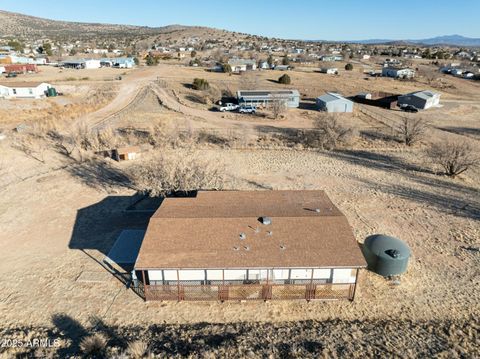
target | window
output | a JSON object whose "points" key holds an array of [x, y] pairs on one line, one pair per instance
{"points": [[14, 91], [30, 91]]}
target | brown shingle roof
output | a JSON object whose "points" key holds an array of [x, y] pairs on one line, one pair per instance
{"points": [[202, 232]]}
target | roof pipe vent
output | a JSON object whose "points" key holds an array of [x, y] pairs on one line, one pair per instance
{"points": [[265, 220], [242, 236]]}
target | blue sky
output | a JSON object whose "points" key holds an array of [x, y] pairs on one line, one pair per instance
{"points": [[293, 19]]}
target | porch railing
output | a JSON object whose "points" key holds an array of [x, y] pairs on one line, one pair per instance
{"points": [[223, 292]]}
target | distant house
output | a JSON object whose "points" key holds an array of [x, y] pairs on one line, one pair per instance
{"points": [[366, 57], [331, 58], [126, 153], [398, 72], [420, 99], [20, 68], [248, 245], [329, 70], [263, 65], [456, 72], [33, 90], [242, 65], [282, 67], [333, 102], [82, 64], [265, 97], [118, 62]]}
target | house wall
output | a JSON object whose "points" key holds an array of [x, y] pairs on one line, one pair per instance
{"points": [[328, 275], [335, 106], [24, 92], [92, 64]]}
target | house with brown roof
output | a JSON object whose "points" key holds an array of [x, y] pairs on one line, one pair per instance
{"points": [[24, 90], [249, 245]]}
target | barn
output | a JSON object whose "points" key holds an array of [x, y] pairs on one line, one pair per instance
{"points": [[333, 102], [249, 245], [420, 99]]}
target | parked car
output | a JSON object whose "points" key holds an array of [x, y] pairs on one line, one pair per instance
{"points": [[228, 107], [12, 74], [408, 108], [247, 109]]}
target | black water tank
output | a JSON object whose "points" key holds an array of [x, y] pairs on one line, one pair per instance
{"points": [[386, 255]]}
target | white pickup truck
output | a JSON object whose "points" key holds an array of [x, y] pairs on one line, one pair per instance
{"points": [[228, 107]]}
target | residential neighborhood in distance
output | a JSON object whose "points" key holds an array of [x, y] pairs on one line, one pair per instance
{"points": [[196, 180]]}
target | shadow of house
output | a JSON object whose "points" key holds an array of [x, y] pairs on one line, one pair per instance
{"points": [[99, 174], [98, 226], [311, 106]]}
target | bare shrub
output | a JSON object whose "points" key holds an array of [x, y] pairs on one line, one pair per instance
{"points": [[278, 106], [331, 134], [94, 345], [177, 171], [66, 144], [84, 137], [249, 81], [32, 147], [138, 349], [453, 157], [106, 138], [411, 130]]}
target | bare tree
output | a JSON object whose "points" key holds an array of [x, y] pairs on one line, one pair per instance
{"points": [[411, 130], [331, 132], [249, 80], [278, 105], [453, 157], [177, 171]]}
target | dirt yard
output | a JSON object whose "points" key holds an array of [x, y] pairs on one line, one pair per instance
{"points": [[59, 218]]}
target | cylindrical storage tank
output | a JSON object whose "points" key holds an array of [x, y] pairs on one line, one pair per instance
{"points": [[52, 92], [386, 255]]}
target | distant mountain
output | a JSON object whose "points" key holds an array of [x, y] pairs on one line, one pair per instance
{"points": [[457, 40], [453, 40]]}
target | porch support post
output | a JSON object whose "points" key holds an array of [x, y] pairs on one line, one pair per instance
{"points": [[145, 289], [355, 285], [178, 285]]}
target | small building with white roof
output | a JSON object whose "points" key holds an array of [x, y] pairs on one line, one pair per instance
{"points": [[420, 99], [334, 102]]}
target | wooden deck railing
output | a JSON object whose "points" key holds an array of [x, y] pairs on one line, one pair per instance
{"points": [[223, 292]]}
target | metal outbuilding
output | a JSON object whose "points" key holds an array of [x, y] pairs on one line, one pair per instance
{"points": [[420, 99], [333, 102], [386, 255]]}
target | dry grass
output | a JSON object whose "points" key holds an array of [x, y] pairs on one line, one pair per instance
{"points": [[94, 346], [138, 349]]}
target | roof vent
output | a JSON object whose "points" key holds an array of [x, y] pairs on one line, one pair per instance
{"points": [[242, 236], [317, 210], [247, 248], [269, 233], [283, 247], [236, 248], [266, 220]]}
